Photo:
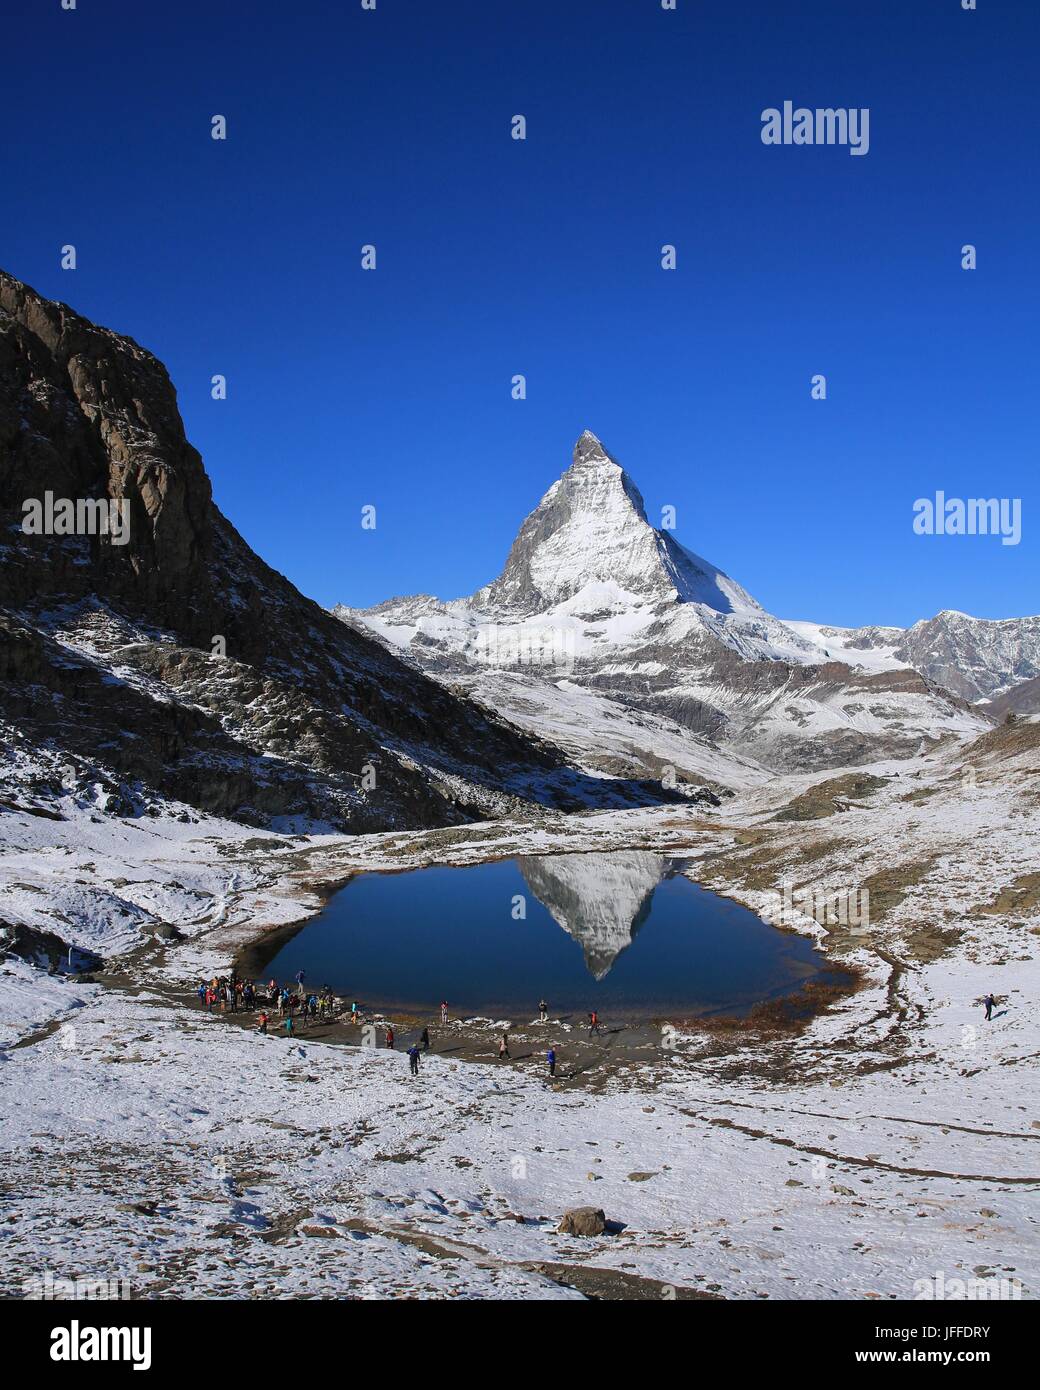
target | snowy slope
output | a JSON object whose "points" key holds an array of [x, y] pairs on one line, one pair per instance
{"points": [[976, 658], [871, 648]]}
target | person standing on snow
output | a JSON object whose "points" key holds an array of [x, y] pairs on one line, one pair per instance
{"points": [[413, 1059], [990, 1003], [550, 1057]]}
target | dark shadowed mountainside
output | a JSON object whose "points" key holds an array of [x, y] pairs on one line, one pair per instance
{"points": [[107, 650]]}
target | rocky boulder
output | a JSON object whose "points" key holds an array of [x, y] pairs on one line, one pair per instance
{"points": [[583, 1221]]}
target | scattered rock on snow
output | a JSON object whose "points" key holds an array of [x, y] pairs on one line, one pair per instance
{"points": [[583, 1221]]}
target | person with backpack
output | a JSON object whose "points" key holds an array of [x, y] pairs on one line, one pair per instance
{"points": [[990, 1003], [413, 1059], [543, 1011], [550, 1058]]}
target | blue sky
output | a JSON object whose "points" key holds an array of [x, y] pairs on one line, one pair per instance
{"points": [[542, 257]]}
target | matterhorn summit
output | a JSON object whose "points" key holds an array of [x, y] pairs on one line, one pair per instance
{"points": [[589, 547]]}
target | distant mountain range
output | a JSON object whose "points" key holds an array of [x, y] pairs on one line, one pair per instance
{"points": [[978, 658], [606, 635]]}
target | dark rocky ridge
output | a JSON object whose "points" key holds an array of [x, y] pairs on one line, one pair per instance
{"points": [[105, 651]]}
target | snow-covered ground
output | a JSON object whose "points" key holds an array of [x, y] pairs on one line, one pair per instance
{"points": [[896, 1138], [847, 644], [187, 1157]]}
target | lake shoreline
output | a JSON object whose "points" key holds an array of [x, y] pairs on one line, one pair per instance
{"points": [[630, 1050], [672, 948]]}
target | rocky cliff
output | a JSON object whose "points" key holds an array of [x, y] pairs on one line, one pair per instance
{"points": [[108, 651]]}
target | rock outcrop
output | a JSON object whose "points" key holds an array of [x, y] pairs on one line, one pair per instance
{"points": [[583, 1221], [977, 659]]}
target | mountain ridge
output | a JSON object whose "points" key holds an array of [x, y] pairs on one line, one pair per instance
{"points": [[978, 659], [593, 600]]}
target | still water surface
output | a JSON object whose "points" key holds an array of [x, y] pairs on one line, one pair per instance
{"points": [[621, 932]]}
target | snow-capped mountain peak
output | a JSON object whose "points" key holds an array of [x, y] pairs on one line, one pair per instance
{"points": [[588, 533], [604, 634], [588, 549]]}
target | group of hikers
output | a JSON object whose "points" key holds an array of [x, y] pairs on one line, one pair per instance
{"points": [[297, 1007], [229, 994]]}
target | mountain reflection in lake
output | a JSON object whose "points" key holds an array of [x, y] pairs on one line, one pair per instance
{"points": [[637, 938]]}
